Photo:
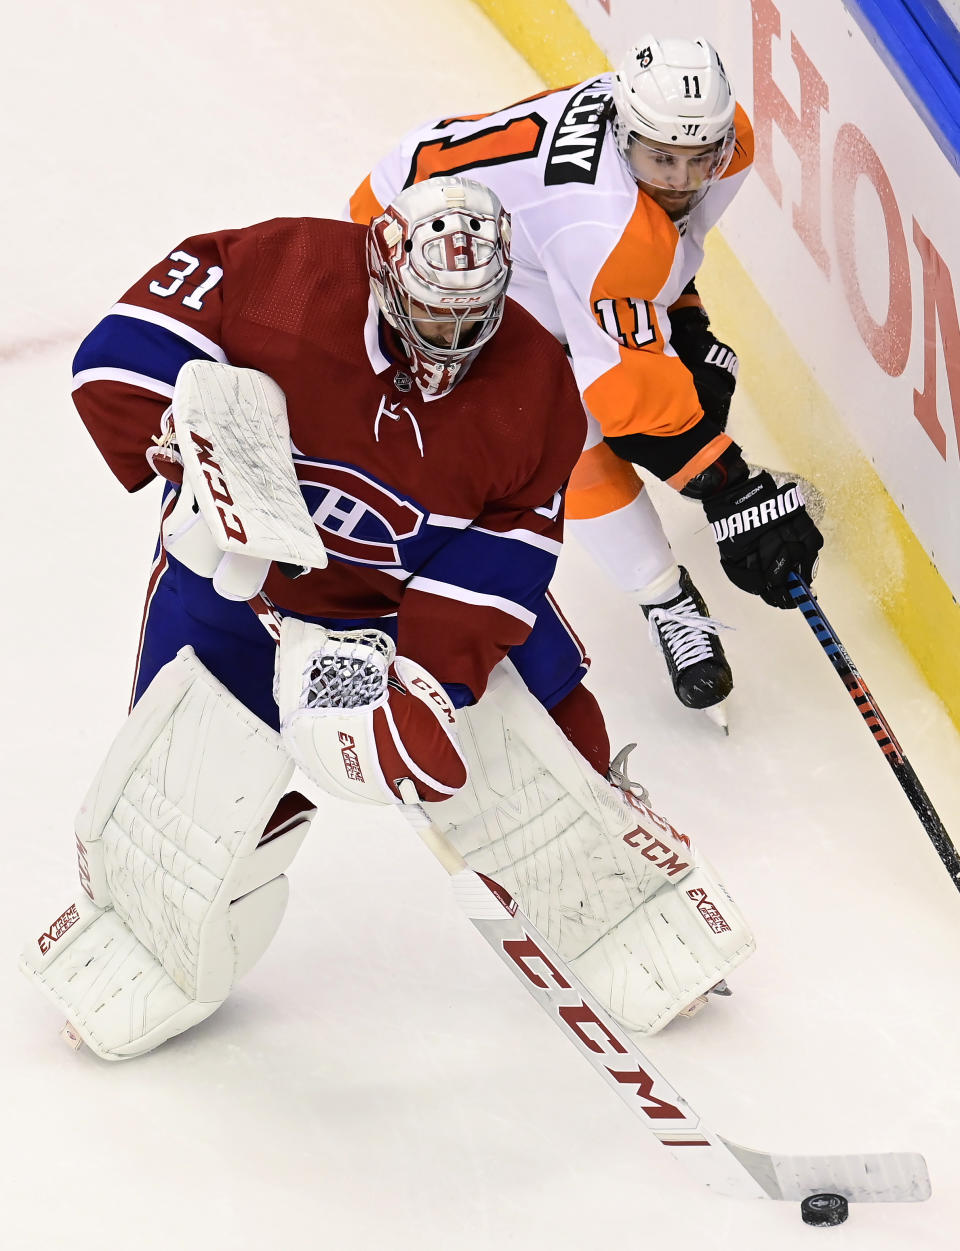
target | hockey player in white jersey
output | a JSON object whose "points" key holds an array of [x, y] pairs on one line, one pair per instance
{"points": [[612, 185]]}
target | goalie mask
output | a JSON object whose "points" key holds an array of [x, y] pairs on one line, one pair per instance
{"points": [[674, 119], [439, 262]]}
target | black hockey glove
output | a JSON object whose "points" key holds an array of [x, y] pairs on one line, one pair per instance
{"points": [[713, 364], [764, 534]]}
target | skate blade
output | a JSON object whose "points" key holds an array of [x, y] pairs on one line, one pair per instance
{"points": [[718, 715]]}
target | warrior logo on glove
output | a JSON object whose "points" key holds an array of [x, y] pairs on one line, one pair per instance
{"points": [[756, 515], [764, 534]]}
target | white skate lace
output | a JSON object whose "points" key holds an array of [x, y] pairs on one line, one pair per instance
{"points": [[683, 632]]}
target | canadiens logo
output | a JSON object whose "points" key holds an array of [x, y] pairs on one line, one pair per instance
{"points": [[577, 142], [360, 520]]}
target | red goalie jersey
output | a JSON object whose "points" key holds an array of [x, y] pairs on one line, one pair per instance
{"points": [[446, 512]]}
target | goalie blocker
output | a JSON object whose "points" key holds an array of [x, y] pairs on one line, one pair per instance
{"points": [[182, 842]]}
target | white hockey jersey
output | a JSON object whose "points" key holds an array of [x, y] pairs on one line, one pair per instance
{"points": [[596, 261]]}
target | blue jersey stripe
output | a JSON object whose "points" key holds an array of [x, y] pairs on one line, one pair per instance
{"points": [[138, 346], [492, 565]]}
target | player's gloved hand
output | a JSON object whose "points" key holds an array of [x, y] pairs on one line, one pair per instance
{"points": [[360, 720], [713, 364], [187, 537], [764, 534], [163, 454]]}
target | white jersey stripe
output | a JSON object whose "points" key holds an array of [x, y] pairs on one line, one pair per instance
{"points": [[553, 546], [448, 523], [122, 375], [448, 591]]}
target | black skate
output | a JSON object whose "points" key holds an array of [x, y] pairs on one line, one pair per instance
{"points": [[686, 634]]}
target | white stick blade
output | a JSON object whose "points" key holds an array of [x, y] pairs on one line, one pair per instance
{"points": [[892, 1177]]}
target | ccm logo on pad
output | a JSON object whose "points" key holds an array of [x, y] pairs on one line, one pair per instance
{"points": [[219, 491]]}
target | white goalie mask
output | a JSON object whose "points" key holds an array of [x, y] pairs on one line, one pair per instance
{"points": [[674, 118], [439, 263]]}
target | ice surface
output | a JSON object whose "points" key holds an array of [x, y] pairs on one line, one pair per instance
{"points": [[378, 1081]]}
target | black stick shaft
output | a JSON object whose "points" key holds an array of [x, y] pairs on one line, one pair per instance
{"points": [[878, 726]]}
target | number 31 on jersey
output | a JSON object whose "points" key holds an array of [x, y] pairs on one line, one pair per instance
{"points": [[186, 264]]}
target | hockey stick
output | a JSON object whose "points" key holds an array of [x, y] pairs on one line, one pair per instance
{"points": [[721, 1165], [715, 1161], [878, 726]]}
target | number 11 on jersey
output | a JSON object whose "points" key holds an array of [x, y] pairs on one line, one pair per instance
{"points": [[626, 319]]}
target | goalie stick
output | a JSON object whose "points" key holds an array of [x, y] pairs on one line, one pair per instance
{"points": [[715, 1161], [723, 1166], [878, 726]]}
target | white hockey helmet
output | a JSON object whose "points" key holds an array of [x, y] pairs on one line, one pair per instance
{"points": [[674, 93], [439, 264]]}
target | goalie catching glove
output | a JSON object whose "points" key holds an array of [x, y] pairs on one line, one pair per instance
{"points": [[360, 720], [764, 534]]}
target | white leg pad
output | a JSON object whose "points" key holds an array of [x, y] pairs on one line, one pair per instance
{"points": [[639, 914], [182, 842]]}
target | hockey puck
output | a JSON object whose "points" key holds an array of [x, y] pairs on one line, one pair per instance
{"points": [[824, 1210]]}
